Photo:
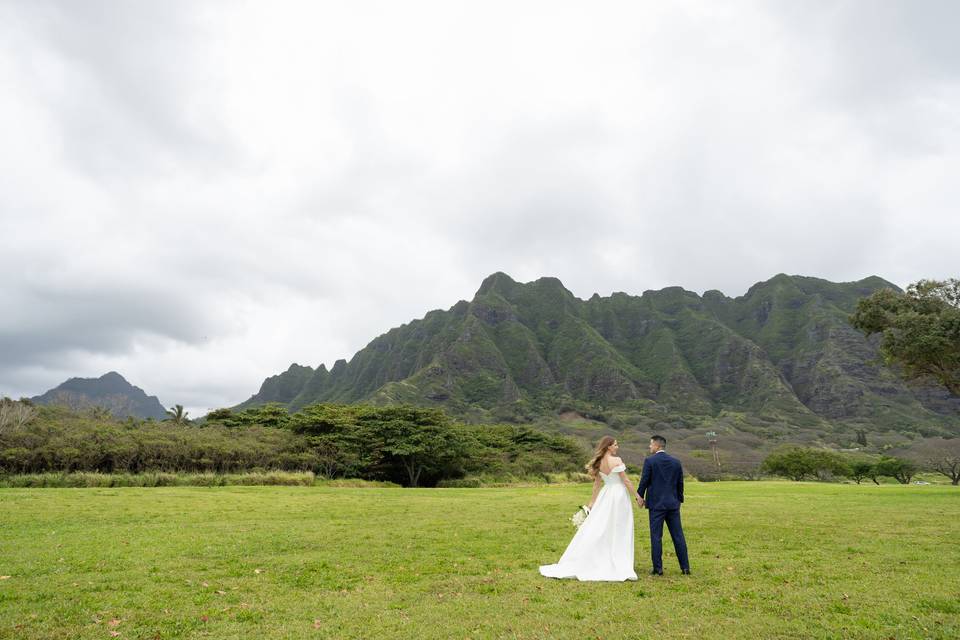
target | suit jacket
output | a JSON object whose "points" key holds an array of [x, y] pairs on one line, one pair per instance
{"points": [[662, 481]]}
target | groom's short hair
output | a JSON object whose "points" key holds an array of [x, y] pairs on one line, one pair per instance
{"points": [[659, 440]]}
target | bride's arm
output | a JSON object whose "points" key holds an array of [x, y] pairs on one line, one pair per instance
{"points": [[596, 490], [626, 481]]}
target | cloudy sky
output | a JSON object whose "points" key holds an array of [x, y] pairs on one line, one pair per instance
{"points": [[196, 194]]}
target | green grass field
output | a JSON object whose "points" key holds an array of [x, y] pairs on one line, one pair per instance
{"points": [[770, 560]]}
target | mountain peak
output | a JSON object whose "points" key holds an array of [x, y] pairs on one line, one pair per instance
{"points": [[498, 282], [551, 282], [771, 284], [781, 278], [876, 282], [111, 391], [507, 287]]}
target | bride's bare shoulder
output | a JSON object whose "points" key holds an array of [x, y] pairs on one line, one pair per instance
{"points": [[609, 463]]}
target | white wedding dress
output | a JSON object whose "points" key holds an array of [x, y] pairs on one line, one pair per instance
{"points": [[602, 548]]}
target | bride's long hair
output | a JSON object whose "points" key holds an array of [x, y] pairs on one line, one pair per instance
{"points": [[593, 466]]}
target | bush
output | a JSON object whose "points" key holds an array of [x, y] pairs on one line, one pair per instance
{"points": [[355, 483], [509, 480], [156, 479], [470, 482]]}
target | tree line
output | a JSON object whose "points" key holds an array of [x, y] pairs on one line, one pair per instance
{"points": [[801, 463], [412, 446]]}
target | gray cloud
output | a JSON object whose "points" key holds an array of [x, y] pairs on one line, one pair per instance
{"points": [[196, 194], [120, 82], [43, 324]]}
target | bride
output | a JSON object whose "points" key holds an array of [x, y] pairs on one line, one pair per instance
{"points": [[602, 548]]}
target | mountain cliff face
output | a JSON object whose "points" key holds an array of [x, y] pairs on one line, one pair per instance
{"points": [[782, 352], [110, 391]]}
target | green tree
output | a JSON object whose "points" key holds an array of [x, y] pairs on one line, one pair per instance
{"points": [[225, 417], [828, 464], [790, 463], [897, 468], [271, 414], [920, 329], [798, 463], [860, 470], [332, 432], [419, 441], [177, 415]]}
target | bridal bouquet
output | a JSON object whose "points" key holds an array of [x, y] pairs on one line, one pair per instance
{"points": [[581, 515]]}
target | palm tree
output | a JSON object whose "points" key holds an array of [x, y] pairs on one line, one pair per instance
{"points": [[177, 415]]}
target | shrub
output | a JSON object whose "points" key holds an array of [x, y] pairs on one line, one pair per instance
{"points": [[156, 479]]}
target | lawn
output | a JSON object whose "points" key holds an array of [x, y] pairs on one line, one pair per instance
{"points": [[770, 560]]}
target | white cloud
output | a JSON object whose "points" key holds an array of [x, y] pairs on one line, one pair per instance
{"points": [[197, 194]]}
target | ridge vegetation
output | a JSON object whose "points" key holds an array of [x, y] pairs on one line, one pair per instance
{"points": [[780, 363]]}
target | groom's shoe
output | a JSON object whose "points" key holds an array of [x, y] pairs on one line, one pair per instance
{"points": [[685, 572], [654, 572]]}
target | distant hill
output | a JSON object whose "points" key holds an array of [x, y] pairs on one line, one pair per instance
{"points": [[110, 391], [781, 357]]}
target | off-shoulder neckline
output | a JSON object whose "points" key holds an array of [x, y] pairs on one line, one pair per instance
{"points": [[614, 469]]}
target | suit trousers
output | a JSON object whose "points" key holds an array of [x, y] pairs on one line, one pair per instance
{"points": [[672, 518]]}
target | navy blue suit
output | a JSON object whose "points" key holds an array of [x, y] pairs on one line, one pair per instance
{"points": [[662, 482]]}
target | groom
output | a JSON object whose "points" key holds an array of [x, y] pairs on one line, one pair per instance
{"points": [[661, 492]]}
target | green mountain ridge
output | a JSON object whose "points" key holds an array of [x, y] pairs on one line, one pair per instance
{"points": [[781, 354]]}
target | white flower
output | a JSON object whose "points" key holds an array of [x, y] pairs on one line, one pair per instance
{"points": [[581, 515]]}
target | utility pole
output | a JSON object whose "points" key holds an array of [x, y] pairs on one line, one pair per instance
{"points": [[712, 435]]}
